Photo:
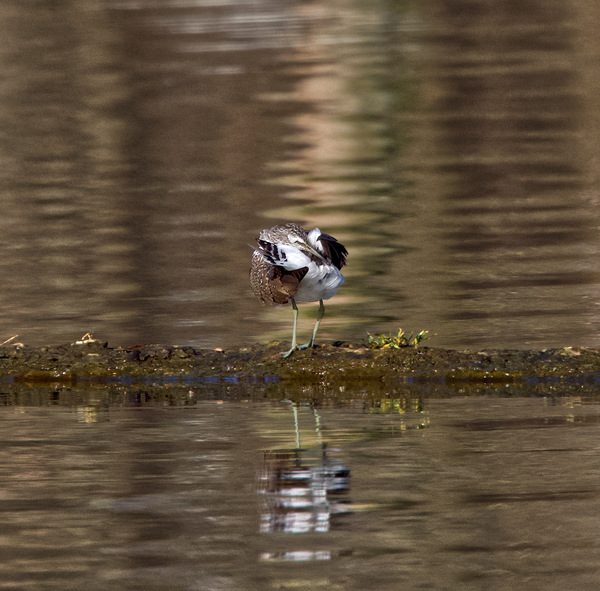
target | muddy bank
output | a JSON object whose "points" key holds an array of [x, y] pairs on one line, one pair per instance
{"points": [[94, 360]]}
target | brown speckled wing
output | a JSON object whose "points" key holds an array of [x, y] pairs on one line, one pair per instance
{"points": [[273, 284]]}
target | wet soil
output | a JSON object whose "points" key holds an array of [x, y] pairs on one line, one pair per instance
{"points": [[331, 365]]}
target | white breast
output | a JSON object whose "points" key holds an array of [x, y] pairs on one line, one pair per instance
{"points": [[320, 283]]}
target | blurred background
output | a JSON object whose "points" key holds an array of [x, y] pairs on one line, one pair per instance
{"points": [[452, 145]]}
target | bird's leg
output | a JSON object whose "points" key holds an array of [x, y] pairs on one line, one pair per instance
{"points": [[320, 315], [294, 345]]}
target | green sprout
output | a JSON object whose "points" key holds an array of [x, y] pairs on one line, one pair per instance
{"points": [[399, 341]]}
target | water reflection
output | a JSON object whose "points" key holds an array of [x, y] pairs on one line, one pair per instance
{"points": [[230, 486], [303, 494], [450, 146]]}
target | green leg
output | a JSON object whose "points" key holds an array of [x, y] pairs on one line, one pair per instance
{"points": [[320, 315], [294, 345]]}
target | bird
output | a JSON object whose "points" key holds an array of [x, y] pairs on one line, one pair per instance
{"points": [[291, 264]]}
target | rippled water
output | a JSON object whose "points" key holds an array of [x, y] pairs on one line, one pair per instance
{"points": [[219, 487], [452, 146]]}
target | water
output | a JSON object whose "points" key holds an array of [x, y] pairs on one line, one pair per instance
{"points": [[451, 147], [219, 487]]}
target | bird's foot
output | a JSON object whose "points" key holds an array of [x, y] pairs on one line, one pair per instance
{"points": [[307, 346], [286, 354]]}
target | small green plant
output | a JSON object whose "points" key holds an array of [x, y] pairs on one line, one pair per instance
{"points": [[381, 341]]}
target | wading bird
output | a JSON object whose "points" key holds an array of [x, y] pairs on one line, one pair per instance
{"points": [[293, 265]]}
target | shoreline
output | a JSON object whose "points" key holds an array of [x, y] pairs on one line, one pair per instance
{"points": [[333, 365]]}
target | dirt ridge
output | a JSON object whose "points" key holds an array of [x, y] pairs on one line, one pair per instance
{"points": [[332, 364]]}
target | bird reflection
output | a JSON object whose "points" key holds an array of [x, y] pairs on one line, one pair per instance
{"points": [[300, 493]]}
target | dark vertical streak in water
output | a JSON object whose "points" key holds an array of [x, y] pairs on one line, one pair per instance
{"points": [[202, 142]]}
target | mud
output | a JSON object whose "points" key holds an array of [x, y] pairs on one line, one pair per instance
{"points": [[330, 365]]}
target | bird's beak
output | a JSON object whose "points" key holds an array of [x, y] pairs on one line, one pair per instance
{"points": [[308, 248]]}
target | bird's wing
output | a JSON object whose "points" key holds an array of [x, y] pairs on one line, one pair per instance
{"points": [[335, 251], [282, 255], [284, 284]]}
